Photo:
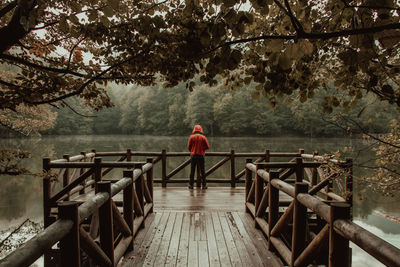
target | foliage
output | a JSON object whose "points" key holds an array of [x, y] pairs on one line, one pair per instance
{"points": [[64, 48], [10, 161], [385, 176], [157, 111]]}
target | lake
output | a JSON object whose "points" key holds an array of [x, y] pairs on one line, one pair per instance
{"points": [[21, 197]]}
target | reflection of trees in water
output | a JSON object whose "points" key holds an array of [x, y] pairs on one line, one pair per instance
{"points": [[17, 195], [55, 147]]}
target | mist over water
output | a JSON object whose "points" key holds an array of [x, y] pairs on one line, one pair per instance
{"points": [[21, 197]]}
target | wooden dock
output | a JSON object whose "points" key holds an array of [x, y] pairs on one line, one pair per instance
{"points": [[200, 228], [289, 210]]}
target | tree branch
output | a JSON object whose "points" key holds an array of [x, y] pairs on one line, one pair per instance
{"points": [[8, 8], [83, 86], [313, 36], [39, 67]]}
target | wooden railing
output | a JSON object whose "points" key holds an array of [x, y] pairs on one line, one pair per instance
{"points": [[167, 177], [314, 226], [94, 225]]}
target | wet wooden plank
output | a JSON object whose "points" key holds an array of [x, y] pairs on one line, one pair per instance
{"points": [[174, 244], [230, 243], [247, 251], [165, 241], [239, 242], [220, 239], [193, 254], [196, 226], [203, 253], [155, 244], [211, 242], [259, 241], [203, 232], [184, 242], [137, 256]]}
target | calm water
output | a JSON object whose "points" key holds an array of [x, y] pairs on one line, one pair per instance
{"points": [[21, 197]]}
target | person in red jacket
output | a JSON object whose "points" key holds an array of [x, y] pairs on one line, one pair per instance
{"points": [[197, 146]]}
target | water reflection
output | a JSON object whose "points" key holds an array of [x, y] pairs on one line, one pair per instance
{"points": [[21, 197]]}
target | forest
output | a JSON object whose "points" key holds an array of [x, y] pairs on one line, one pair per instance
{"points": [[155, 110]]}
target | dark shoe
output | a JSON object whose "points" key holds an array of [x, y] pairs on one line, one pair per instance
{"points": [[204, 186], [190, 186]]}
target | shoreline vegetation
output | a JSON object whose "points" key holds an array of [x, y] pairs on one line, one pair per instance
{"points": [[222, 113]]}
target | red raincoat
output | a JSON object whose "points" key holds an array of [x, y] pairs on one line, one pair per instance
{"points": [[198, 143]]}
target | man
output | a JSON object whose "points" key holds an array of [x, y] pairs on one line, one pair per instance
{"points": [[197, 146]]}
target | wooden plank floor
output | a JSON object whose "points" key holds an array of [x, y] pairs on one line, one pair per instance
{"points": [[199, 228]]}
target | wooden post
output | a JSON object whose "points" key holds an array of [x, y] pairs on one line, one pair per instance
{"points": [[248, 180], [46, 193], [259, 188], [349, 181], [93, 175], [299, 170], [267, 156], [97, 171], [299, 223], [164, 168], [70, 244], [149, 180], [82, 170], [139, 187], [128, 155], [314, 173], [106, 222], [128, 204], [47, 220], [273, 203], [233, 180], [66, 176], [338, 246]]}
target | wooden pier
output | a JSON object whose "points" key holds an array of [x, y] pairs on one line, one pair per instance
{"points": [[294, 209], [200, 228]]}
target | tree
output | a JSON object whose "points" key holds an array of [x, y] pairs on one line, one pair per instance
{"points": [[66, 48]]}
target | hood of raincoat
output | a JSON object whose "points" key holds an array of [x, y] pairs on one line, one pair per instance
{"points": [[197, 128]]}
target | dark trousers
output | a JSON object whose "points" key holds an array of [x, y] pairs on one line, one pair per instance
{"points": [[197, 160]]}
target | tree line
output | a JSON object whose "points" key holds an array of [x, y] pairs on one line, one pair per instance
{"points": [[156, 110]]}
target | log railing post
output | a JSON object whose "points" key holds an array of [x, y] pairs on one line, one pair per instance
{"points": [[349, 181], [314, 172], [93, 175], [139, 187], [248, 180], [70, 244], [267, 156], [299, 223], [47, 220], [164, 168], [66, 176], [128, 155], [233, 180], [273, 204], [46, 192], [82, 170], [106, 222], [259, 188], [128, 204], [299, 170], [339, 250], [97, 171], [149, 180]]}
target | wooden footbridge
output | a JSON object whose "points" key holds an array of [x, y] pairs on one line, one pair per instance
{"points": [[294, 209]]}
